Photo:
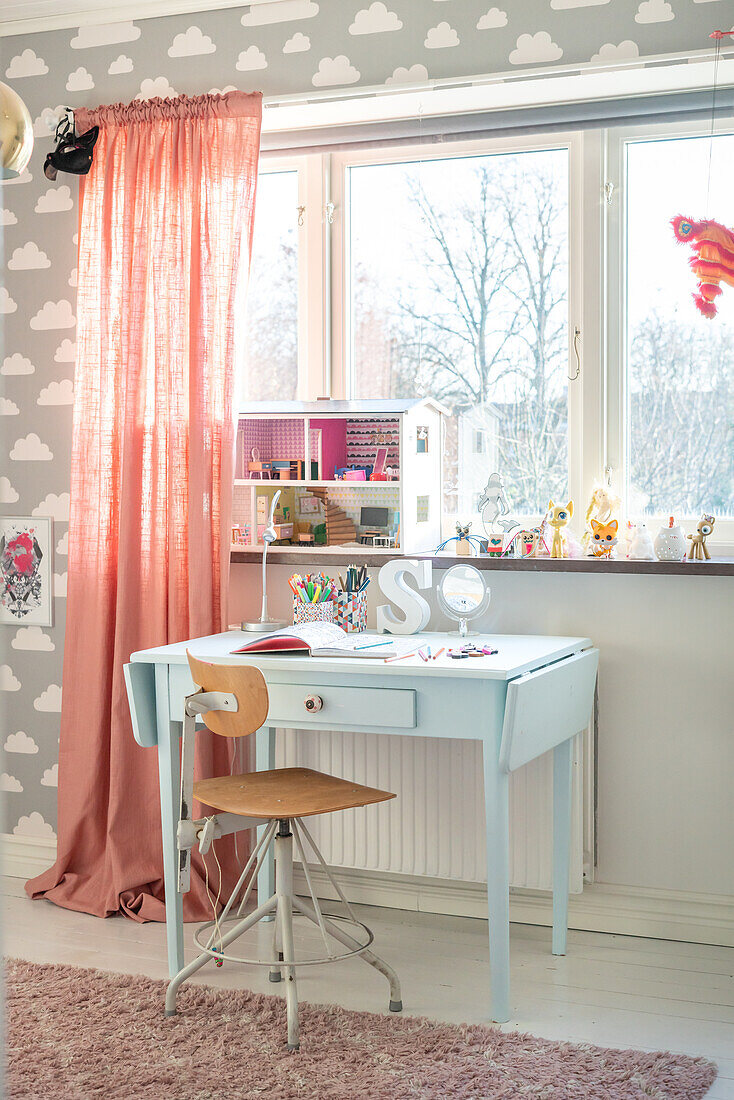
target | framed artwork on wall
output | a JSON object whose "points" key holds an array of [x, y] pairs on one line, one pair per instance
{"points": [[26, 594]]}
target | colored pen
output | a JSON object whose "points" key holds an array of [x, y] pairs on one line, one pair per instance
{"points": [[435, 655], [389, 659], [372, 645]]}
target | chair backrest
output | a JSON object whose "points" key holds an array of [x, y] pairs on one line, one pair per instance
{"points": [[244, 681]]}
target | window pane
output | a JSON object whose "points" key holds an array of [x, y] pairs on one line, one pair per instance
{"points": [[459, 288], [680, 365], [271, 364]]}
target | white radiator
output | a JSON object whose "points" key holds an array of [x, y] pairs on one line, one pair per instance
{"points": [[435, 826]]}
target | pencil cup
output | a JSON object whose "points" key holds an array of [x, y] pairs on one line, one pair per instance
{"points": [[313, 612], [351, 611]]}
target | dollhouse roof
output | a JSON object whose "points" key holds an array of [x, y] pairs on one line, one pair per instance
{"points": [[338, 408]]}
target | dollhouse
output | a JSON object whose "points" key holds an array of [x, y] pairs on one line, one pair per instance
{"points": [[349, 473]]}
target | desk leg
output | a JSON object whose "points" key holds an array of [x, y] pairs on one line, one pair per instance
{"points": [[264, 762], [169, 779], [562, 780], [496, 808]]}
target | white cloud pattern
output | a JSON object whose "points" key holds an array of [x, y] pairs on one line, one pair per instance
{"points": [[251, 59], [56, 506], [60, 585], [335, 70], [156, 88], [535, 49], [492, 20], [7, 304], [654, 11], [55, 200], [79, 81], [17, 364], [7, 217], [623, 52], [441, 37], [65, 352], [54, 315], [31, 449], [10, 783], [376, 19], [8, 407], [62, 546], [26, 64], [191, 43], [298, 43], [120, 65], [32, 637], [20, 742], [49, 700], [51, 777], [34, 825], [28, 257], [416, 74], [8, 680], [57, 393], [8, 495]]}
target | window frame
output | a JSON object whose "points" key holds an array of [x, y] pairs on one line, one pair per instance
{"points": [[583, 154], [596, 293], [617, 426]]}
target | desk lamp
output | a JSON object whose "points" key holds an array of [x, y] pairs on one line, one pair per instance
{"points": [[264, 623]]}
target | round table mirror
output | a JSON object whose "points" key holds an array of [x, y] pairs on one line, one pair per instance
{"points": [[463, 595]]}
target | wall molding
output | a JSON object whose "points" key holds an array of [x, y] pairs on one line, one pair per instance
{"points": [[32, 16], [622, 910]]}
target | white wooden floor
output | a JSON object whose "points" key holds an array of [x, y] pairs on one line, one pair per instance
{"points": [[611, 990]]}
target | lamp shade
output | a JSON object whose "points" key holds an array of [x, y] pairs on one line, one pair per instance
{"points": [[16, 133]]}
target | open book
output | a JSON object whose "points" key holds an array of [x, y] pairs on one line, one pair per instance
{"points": [[320, 640]]}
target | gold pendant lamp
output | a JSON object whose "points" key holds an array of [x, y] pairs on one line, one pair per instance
{"points": [[16, 133]]}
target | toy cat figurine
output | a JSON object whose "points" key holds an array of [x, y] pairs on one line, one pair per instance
{"points": [[640, 546], [558, 517], [603, 538]]}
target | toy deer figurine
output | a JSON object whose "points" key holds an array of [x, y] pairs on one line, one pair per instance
{"points": [[698, 548], [558, 517]]}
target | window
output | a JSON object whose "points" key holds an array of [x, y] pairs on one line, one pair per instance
{"points": [[556, 328], [680, 365], [457, 289], [271, 332]]}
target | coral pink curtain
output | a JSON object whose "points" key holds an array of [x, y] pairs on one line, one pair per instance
{"points": [[164, 245]]}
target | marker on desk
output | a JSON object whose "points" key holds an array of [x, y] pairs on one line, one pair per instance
{"points": [[435, 655], [389, 659], [372, 645]]}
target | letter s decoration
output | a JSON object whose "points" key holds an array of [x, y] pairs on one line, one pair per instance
{"points": [[391, 580]]}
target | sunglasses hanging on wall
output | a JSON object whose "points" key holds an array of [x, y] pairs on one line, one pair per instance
{"points": [[72, 154]]}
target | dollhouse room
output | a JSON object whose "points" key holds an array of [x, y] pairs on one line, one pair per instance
{"points": [[367, 549]]}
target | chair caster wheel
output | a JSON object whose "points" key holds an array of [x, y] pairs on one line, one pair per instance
{"points": [[396, 1006], [293, 1046], [275, 976]]}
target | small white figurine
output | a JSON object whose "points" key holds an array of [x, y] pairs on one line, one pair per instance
{"points": [[494, 506], [640, 544], [670, 542]]}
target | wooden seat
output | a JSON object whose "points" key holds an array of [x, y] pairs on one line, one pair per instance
{"points": [[285, 792]]}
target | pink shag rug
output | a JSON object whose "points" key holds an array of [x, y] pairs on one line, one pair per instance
{"points": [[77, 1034]]}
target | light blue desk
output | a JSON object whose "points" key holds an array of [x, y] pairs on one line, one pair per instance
{"points": [[534, 696]]}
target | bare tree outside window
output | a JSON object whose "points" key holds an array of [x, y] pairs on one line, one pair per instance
{"points": [[460, 293], [680, 365]]}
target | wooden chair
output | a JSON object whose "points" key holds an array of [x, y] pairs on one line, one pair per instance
{"points": [[232, 701]]}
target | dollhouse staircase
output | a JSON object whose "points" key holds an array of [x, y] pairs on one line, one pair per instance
{"points": [[339, 527]]}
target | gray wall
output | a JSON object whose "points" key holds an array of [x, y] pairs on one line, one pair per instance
{"points": [[280, 49]]}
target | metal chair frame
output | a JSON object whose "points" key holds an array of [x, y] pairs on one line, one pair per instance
{"points": [[279, 833]]}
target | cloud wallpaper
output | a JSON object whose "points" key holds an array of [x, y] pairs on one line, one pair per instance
{"points": [[292, 46]]}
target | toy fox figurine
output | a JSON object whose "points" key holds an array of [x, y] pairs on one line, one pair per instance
{"points": [[558, 517], [603, 538]]}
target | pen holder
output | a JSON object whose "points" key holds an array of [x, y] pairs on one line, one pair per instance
{"points": [[313, 612], [351, 611]]}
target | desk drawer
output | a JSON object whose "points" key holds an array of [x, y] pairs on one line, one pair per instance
{"points": [[341, 706]]}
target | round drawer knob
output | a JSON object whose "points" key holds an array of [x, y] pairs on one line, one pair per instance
{"points": [[312, 703]]}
